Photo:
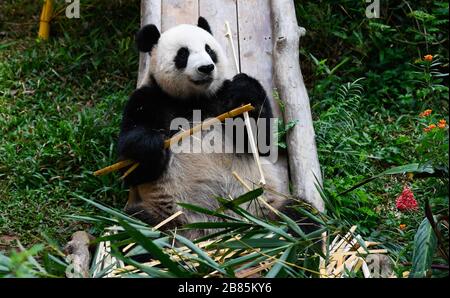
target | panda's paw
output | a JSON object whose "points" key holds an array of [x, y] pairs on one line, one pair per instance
{"points": [[143, 145], [247, 90], [242, 80]]}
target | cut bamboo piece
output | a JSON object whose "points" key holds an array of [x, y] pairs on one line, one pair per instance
{"points": [[170, 218], [250, 272], [346, 253], [128, 172], [115, 167]]}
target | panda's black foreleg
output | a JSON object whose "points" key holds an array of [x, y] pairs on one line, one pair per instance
{"points": [[145, 146]]}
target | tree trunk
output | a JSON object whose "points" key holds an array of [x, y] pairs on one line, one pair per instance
{"points": [[303, 160]]}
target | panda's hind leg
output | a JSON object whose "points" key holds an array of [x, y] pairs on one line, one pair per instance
{"points": [[151, 206]]}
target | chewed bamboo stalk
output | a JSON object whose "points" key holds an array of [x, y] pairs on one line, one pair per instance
{"points": [[112, 168], [262, 180], [176, 138], [128, 172], [44, 21]]}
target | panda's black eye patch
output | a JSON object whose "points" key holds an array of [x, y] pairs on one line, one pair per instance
{"points": [[181, 58], [211, 53]]}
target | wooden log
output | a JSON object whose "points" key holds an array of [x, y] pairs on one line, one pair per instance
{"points": [[176, 12], [77, 251], [150, 14], [303, 159]]}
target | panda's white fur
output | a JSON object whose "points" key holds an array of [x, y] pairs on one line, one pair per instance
{"points": [[177, 83], [188, 177]]}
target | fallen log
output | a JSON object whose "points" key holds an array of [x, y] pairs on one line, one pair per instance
{"points": [[78, 254]]}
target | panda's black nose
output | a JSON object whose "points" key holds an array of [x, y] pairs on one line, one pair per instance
{"points": [[206, 69]]}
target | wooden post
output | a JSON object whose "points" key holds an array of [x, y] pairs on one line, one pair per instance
{"points": [[150, 14], [303, 159]]}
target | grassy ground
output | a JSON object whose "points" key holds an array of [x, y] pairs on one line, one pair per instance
{"points": [[60, 108], [60, 104]]}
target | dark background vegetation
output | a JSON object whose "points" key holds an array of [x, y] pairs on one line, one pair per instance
{"points": [[61, 100]]}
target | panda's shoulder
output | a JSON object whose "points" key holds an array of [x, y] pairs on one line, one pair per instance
{"points": [[146, 98]]}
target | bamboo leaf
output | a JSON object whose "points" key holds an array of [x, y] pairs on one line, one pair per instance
{"points": [[251, 195], [409, 168], [110, 211], [215, 225], [201, 254], [206, 211], [279, 264], [152, 272], [270, 227], [254, 243], [153, 249]]}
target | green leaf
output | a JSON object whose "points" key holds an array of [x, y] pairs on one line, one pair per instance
{"points": [[153, 249], [215, 225], [270, 227], [202, 256], [152, 272], [425, 244], [205, 211], [279, 264], [110, 211], [253, 243], [251, 195], [409, 168]]}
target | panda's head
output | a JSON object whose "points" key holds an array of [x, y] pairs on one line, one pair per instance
{"points": [[185, 60]]}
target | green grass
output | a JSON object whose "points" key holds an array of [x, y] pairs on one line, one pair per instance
{"points": [[60, 109]]}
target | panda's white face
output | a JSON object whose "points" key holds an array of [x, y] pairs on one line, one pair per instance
{"points": [[188, 61]]}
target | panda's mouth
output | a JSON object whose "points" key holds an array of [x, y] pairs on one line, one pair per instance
{"points": [[202, 81]]}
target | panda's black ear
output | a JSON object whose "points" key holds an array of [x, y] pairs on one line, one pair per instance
{"points": [[147, 37], [203, 23]]}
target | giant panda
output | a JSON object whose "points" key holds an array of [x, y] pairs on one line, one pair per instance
{"points": [[188, 71]]}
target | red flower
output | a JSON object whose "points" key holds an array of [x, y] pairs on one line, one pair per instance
{"points": [[406, 201]]}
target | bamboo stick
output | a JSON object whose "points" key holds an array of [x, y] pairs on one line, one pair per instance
{"points": [[112, 168], [44, 21], [262, 180], [176, 138], [128, 172]]}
